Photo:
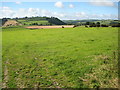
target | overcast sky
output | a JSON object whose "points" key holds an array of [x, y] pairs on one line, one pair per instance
{"points": [[102, 9]]}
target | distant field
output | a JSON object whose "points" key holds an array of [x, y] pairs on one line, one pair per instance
{"points": [[43, 22], [106, 22], [62, 58]]}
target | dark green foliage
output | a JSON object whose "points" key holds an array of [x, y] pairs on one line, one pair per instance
{"points": [[31, 18], [115, 24], [98, 24], [55, 21], [34, 23], [92, 25], [103, 25], [2, 21], [87, 23]]}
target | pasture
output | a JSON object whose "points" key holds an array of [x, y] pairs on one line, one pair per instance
{"points": [[60, 58], [43, 22]]}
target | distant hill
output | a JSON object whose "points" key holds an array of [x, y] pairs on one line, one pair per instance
{"points": [[82, 22], [40, 21], [79, 21], [46, 21]]}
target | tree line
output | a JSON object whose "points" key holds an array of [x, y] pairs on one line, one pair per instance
{"points": [[98, 24]]}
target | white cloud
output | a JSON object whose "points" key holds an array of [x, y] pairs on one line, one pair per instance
{"points": [[59, 4], [10, 13], [102, 3], [71, 6], [6, 12], [81, 15], [18, 2], [59, 15]]}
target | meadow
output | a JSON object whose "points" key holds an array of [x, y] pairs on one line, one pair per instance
{"points": [[60, 58], [41, 22]]}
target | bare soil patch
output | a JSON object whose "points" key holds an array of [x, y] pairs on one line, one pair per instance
{"points": [[57, 26], [11, 23]]}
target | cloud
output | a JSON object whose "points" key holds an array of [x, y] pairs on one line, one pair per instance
{"points": [[84, 15], [59, 15], [71, 6], [59, 4], [6, 12], [80, 14], [102, 2], [18, 2], [29, 12]]}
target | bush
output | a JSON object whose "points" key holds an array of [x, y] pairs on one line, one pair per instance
{"points": [[103, 25]]}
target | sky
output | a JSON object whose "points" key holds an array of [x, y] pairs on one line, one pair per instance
{"points": [[64, 10]]}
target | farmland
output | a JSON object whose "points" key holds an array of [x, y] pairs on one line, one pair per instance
{"points": [[42, 22], [60, 58], [105, 22]]}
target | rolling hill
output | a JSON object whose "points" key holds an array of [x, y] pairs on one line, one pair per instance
{"points": [[41, 21]]}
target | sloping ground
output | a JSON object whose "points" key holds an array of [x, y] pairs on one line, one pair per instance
{"points": [[11, 23], [57, 26], [40, 22]]}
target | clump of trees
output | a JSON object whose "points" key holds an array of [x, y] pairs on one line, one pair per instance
{"points": [[34, 24], [92, 24], [75, 26], [98, 24], [3, 20], [103, 25], [37, 18], [115, 24], [55, 21]]}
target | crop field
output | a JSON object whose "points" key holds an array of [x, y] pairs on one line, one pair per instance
{"points": [[60, 57]]}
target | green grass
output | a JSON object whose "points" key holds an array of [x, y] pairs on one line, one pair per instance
{"points": [[106, 22], [68, 57], [21, 20], [0, 57], [43, 22]]}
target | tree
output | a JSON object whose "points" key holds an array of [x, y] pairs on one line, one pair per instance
{"points": [[4, 20], [103, 25], [87, 23], [16, 18], [93, 25], [98, 24], [26, 17]]}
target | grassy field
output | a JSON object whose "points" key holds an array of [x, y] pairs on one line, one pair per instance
{"points": [[43, 22], [61, 58]]}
